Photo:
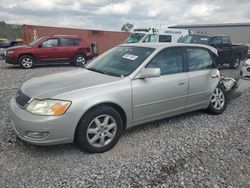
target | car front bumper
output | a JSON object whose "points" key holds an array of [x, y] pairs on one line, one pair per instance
{"points": [[55, 129], [8, 60]]}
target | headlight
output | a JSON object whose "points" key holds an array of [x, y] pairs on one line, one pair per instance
{"points": [[246, 63], [10, 51], [48, 107]]}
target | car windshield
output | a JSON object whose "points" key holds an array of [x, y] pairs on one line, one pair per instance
{"points": [[36, 41], [134, 38], [120, 61], [197, 39]]}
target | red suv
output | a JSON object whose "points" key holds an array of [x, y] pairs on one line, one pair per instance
{"points": [[56, 48]]}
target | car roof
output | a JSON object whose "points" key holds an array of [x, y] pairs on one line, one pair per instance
{"points": [[64, 36], [161, 45]]}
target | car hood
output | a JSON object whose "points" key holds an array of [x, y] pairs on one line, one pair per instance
{"points": [[19, 47], [56, 84]]}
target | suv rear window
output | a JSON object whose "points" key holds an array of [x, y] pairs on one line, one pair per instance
{"points": [[69, 42]]}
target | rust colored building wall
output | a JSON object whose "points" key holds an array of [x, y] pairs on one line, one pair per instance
{"points": [[104, 39]]}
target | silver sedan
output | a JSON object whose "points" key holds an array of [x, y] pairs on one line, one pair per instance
{"points": [[127, 86]]}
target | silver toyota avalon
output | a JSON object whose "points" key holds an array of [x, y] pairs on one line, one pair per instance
{"points": [[129, 85]]}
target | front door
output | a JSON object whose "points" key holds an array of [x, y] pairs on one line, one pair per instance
{"points": [[162, 96], [48, 50]]}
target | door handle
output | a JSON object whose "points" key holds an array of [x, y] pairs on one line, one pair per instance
{"points": [[181, 82]]}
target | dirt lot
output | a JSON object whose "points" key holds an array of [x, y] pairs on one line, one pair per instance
{"points": [[192, 150]]}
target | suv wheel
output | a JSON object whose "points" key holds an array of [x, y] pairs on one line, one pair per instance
{"points": [[27, 61], [99, 130], [79, 60], [218, 101], [235, 64]]}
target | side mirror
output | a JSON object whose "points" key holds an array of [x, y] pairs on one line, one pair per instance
{"points": [[149, 73]]}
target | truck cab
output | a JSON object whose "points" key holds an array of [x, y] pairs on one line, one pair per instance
{"points": [[229, 53], [143, 35]]}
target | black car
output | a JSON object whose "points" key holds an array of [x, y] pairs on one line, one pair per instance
{"points": [[7, 44], [228, 53]]}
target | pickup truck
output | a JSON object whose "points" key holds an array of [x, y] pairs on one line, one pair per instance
{"points": [[229, 53]]}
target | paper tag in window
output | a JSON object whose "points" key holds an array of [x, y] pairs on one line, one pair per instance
{"points": [[204, 38], [130, 57]]}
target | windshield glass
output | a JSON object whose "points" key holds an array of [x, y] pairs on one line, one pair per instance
{"points": [[197, 39], [36, 41], [120, 61], [134, 38]]}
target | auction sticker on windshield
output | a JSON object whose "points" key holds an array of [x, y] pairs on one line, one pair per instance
{"points": [[130, 57]]}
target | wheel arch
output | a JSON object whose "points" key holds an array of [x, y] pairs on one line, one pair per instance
{"points": [[115, 106], [23, 54], [78, 53]]}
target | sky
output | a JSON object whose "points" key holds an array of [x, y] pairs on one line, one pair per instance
{"points": [[112, 14]]}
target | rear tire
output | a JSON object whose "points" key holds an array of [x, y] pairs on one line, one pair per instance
{"points": [[27, 62], [218, 101], [235, 63], [99, 130], [80, 60]]}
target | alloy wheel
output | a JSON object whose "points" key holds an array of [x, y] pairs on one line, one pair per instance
{"points": [[101, 131], [27, 62], [80, 60], [218, 99]]}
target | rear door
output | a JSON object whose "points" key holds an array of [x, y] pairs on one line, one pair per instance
{"points": [[165, 95], [67, 48], [202, 77]]}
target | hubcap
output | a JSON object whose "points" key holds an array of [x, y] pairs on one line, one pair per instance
{"points": [[101, 131], [218, 99], [27, 62], [237, 63], [80, 61]]}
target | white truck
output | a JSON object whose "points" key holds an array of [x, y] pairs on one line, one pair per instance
{"points": [[142, 35]]}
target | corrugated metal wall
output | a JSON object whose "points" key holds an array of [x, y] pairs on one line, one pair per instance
{"points": [[104, 39], [238, 34]]}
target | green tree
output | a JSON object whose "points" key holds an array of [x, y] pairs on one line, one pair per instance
{"points": [[127, 27], [10, 31]]}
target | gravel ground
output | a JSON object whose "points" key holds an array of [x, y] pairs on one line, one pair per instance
{"points": [[191, 150]]}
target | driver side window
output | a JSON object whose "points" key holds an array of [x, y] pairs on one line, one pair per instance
{"points": [[50, 43], [169, 60]]}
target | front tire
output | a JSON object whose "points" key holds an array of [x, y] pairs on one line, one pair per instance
{"points": [[80, 60], [99, 130], [218, 101], [27, 62]]}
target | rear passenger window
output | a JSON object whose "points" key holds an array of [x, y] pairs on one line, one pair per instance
{"points": [[69, 42], [216, 41], [199, 59], [165, 38], [169, 60], [226, 40]]}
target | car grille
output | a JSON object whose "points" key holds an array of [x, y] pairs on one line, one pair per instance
{"points": [[22, 99]]}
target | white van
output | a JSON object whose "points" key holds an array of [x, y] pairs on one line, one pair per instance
{"points": [[156, 35]]}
